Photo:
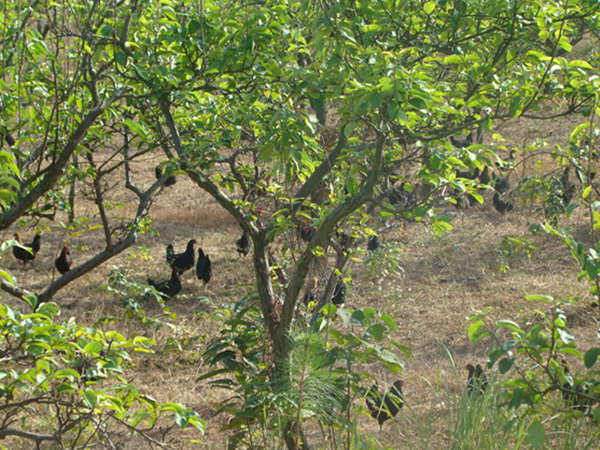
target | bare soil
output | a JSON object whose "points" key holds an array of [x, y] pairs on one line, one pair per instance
{"points": [[444, 278]]}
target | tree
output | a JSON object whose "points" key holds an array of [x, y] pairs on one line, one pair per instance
{"points": [[61, 101], [263, 105]]}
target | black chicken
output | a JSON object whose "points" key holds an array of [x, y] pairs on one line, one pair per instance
{"points": [[24, 255], [311, 294], [573, 393], [345, 239], [501, 184], [339, 294], [243, 244], [462, 143], [476, 381], [484, 177], [305, 231], [63, 262], [462, 201], [182, 261], [168, 288], [399, 196], [203, 269], [374, 243], [171, 180], [467, 174], [386, 406], [568, 187], [502, 205]]}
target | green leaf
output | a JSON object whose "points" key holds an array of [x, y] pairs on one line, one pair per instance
{"points": [[505, 365], [193, 26], [536, 435], [351, 185], [121, 58], [377, 331], [93, 348], [590, 357], [358, 316], [371, 28], [91, 397], [66, 373], [389, 321], [596, 414], [452, 59], [580, 63], [429, 7], [586, 192], [539, 298], [578, 129], [31, 300], [477, 331], [508, 324], [565, 335], [516, 106], [349, 128]]}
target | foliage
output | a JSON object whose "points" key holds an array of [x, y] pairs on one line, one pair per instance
{"points": [[324, 382], [66, 383], [292, 115], [132, 293], [536, 355], [510, 248]]}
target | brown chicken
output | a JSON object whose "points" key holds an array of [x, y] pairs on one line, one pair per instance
{"points": [[63, 262], [23, 252]]}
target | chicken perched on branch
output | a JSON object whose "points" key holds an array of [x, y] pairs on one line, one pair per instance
{"points": [[168, 288], [386, 406], [182, 261], [462, 143], [311, 294], [374, 243], [63, 262], [26, 252], [203, 267], [305, 231]]}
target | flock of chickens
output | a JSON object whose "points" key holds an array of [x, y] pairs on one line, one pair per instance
{"points": [[382, 407], [179, 262]]}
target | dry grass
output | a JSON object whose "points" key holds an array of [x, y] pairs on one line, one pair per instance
{"points": [[444, 279]]}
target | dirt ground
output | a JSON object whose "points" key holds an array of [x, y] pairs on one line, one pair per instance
{"points": [[443, 279]]}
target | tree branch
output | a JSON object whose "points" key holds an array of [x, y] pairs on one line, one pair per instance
{"points": [[319, 239], [57, 168], [27, 435]]}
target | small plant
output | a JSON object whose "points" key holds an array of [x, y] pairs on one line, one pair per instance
{"points": [[65, 384], [132, 293], [542, 384], [324, 383], [510, 248]]}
